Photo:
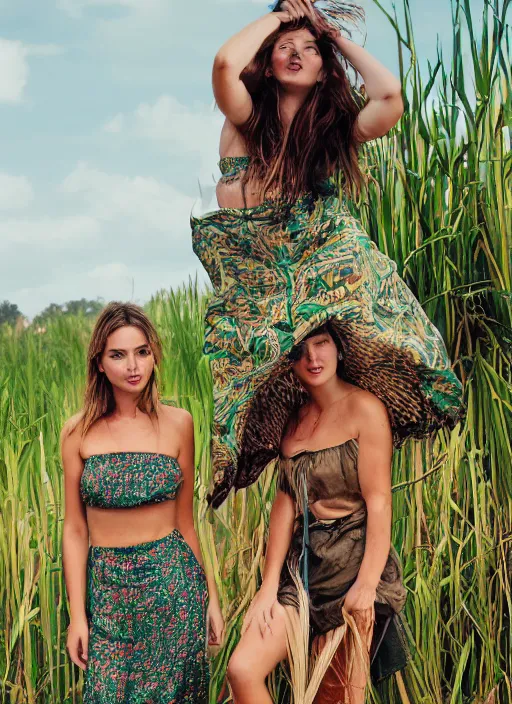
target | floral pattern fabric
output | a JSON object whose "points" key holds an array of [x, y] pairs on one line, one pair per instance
{"points": [[146, 607], [128, 479]]}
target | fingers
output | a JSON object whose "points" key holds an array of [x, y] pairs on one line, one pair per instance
{"points": [[265, 622], [78, 652], [247, 621], [295, 8], [310, 10]]}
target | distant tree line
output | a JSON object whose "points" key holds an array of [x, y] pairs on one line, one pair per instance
{"points": [[10, 313]]}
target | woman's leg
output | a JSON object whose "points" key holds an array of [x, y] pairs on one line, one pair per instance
{"points": [[255, 657]]}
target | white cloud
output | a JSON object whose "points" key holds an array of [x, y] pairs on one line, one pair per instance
{"points": [[137, 201], [115, 125], [179, 128], [13, 71], [63, 232], [14, 68], [15, 192]]}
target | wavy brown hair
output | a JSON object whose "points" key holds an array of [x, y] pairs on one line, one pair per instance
{"points": [[321, 140], [99, 398]]}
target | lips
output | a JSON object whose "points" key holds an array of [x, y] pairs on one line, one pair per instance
{"points": [[315, 370], [134, 380], [294, 66]]}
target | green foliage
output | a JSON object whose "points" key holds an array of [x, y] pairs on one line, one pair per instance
{"points": [[78, 307], [9, 313], [439, 203]]}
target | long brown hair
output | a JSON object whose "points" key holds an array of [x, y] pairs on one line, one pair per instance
{"points": [[321, 139], [99, 398]]}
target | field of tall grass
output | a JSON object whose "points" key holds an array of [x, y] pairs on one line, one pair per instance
{"points": [[439, 203]]}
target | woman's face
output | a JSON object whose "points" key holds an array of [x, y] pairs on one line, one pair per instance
{"points": [[127, 360], [296, 61], [318, 362]]}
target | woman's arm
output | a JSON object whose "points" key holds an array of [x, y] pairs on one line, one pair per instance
{"points": [[185, 520], [75, 545], [374, 471], [385, 105], [232, 58], [282, 518]]}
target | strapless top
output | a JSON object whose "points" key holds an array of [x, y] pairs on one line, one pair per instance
{"points": [[327, 477], [129, 479]]}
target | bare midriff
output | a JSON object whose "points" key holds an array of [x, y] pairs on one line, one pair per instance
{"points": [[230, 193], [329, 510], [124, 527]]}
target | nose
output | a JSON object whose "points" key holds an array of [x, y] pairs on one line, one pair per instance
{"points": [[311, 355], [131, 363], [295, 52]]}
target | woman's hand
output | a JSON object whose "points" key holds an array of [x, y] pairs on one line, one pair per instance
{"points": [[296, 9], [359, 597], [215, 621], [78, 642], [261, 610]]}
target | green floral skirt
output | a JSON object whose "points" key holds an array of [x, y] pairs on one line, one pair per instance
{"points": [[146, 608]]}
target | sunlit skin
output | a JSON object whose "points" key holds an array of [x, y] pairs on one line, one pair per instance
{"points": [[297, 66], [336, 412], [128, 363]]}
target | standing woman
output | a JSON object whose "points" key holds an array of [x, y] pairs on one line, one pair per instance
{"points": [[284, 253], [136, 586]]}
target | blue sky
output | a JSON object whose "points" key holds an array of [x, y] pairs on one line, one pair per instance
{"points": [[108, 126]]}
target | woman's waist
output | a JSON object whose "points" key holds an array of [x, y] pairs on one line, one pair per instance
{"points": [[268, 216], [122, 528], [327, 520], [329, 510]]}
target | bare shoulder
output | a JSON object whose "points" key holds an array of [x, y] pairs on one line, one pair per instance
{"points": [[175, 418], [71, 432], [366, 406]]}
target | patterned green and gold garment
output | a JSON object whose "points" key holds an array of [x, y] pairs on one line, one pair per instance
{"points": [[278, 272], [146, 604]]}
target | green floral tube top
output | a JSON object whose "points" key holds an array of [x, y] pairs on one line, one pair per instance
{"points": [[128, 479]]}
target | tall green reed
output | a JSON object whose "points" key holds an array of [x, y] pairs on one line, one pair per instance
{"points": [[439, 203]]}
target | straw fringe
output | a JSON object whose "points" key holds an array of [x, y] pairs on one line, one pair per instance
{"points": [[339, 12], [307, 671]]}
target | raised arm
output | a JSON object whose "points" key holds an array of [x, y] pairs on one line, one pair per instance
{"points": [[232, 58], [75, 545], [385, 105]]}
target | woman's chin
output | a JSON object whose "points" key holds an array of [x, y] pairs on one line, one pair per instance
{"points": [[296, 83], [314, 381]]}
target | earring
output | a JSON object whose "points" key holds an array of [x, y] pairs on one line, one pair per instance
{"points": [[340, 356]]}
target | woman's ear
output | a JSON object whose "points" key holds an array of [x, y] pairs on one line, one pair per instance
{"points": [[101, 367]]}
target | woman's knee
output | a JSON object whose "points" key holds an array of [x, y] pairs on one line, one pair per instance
{"points": [[240, 668]]}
